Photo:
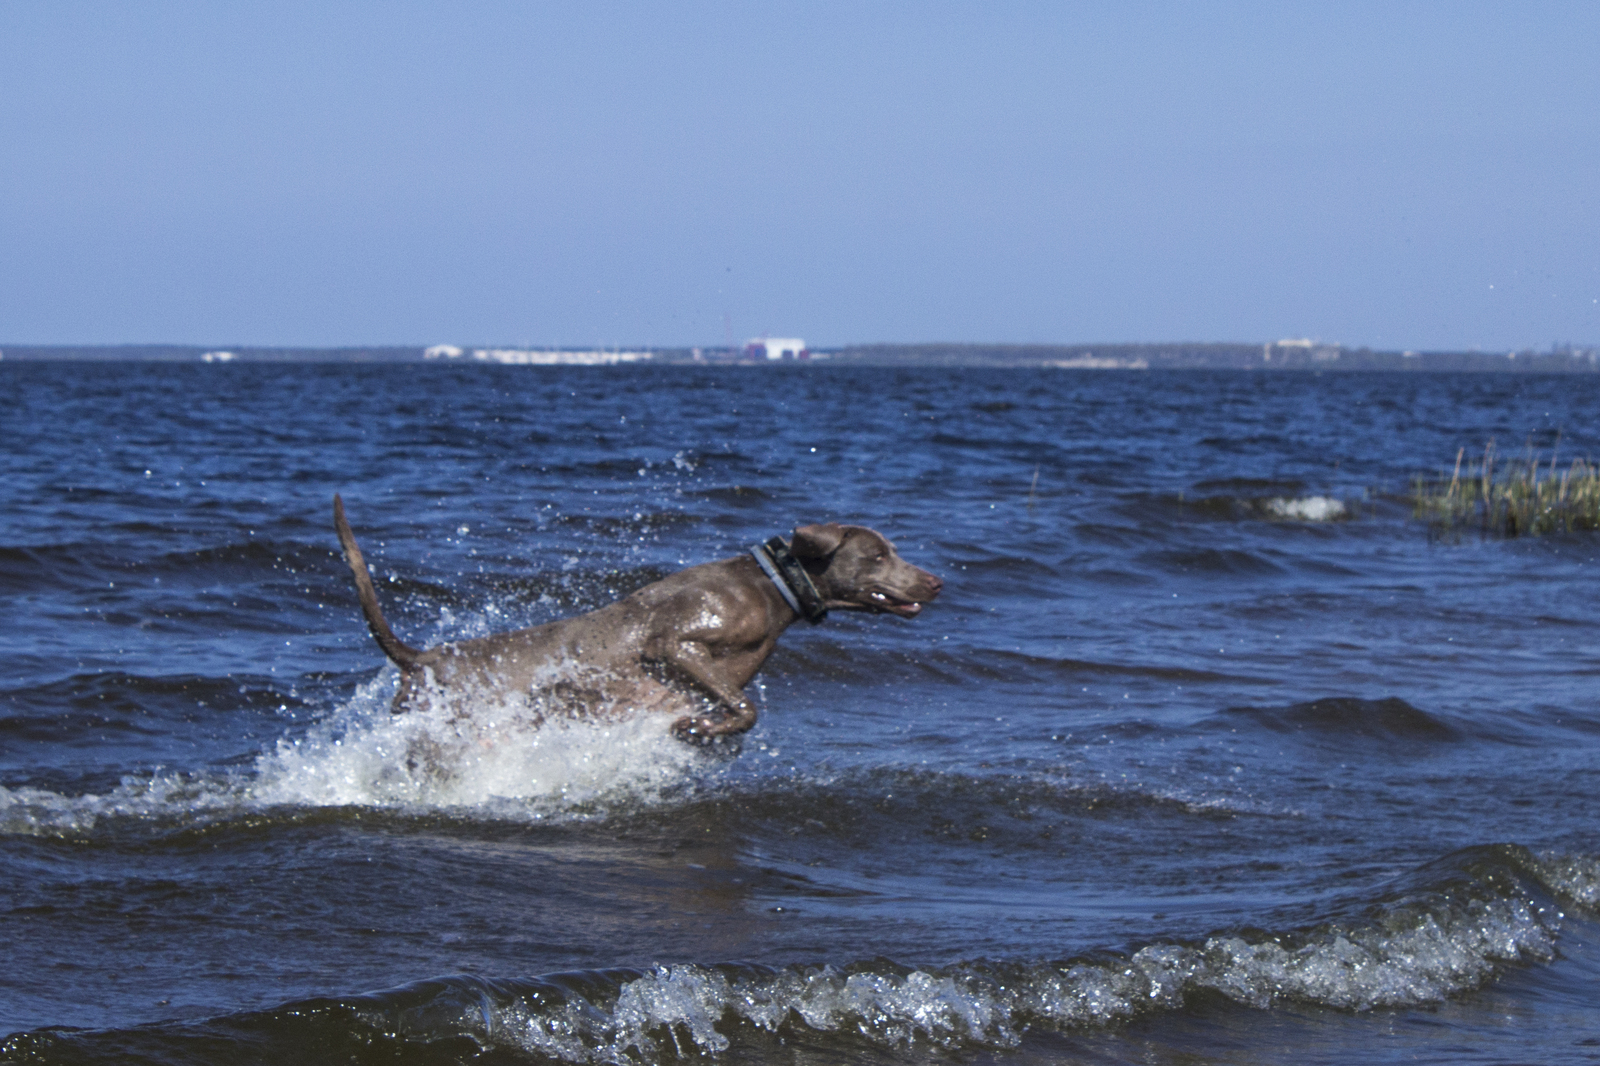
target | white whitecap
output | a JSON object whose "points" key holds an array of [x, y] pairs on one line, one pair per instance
{"points": [[1308, 508], [1402, 959]]}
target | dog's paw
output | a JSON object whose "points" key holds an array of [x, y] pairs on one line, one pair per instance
{"points": [[697, 731], [705, 735]]}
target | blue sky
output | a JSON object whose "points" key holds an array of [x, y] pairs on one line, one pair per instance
{"points": [[1399, 175]]}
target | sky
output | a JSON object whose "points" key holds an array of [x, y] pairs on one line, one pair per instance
{"points": [[1395, 175]]}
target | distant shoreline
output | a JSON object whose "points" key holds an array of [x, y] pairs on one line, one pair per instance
{"points": [[1280, 355]]}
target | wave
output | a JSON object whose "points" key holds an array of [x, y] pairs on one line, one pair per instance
{"points": [[69, 710], [28, 570], [241, 561], [74, 567], [1342, 719], [1247, 501], [892, 811], [1443, 929], [500, 765]]}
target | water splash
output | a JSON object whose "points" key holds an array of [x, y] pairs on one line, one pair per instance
{"points": [[495, 752], [497, 757]]}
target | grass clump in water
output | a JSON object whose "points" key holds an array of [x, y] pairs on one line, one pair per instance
{"points": [[1512, 497]]}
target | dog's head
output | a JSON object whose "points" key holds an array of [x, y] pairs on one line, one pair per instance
{"points": [[857, 569]]}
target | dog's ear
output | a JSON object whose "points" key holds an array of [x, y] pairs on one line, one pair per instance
{"points": [[817, 542]]}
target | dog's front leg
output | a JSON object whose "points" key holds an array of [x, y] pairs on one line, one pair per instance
{"points": [[693, 663]]}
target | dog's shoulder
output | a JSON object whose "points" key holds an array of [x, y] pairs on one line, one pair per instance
{"points": [[713, 601]]}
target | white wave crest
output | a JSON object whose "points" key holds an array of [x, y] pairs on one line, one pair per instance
{"points": [[40, 812], [1423, 962], [1307, 508], [685, 1004], [1574, 876], [1421, 959]]}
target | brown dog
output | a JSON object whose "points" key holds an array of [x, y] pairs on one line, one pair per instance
{"points": [[699, 635]]}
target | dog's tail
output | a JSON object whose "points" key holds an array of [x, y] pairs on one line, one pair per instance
{"points": [[403, 655]]}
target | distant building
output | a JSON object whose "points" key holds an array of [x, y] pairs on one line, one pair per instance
{"points": [[776, 348], [443, 351], [218, 357]]}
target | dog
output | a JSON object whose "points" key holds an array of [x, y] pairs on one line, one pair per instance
{"points": [[687, 644]]}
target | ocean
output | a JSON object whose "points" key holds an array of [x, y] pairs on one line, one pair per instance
{"points": [[1209, 752]]}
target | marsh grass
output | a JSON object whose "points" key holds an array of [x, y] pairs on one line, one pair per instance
{"points": [[1511, 497]]}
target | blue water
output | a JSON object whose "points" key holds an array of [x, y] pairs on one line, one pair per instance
{"points": [[1209, 752]]}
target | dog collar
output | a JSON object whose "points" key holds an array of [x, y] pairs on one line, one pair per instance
{"points": [[794, 584]]}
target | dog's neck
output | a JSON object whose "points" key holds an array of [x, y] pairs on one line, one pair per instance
{"points": [[794, 584]]}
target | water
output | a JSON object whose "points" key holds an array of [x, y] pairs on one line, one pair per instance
{"points": [[1209, 752]]}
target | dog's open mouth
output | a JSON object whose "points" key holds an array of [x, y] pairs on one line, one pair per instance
{"points": [[882, 601]]}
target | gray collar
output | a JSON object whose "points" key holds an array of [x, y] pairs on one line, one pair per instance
{"points": [[794, 584]]}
